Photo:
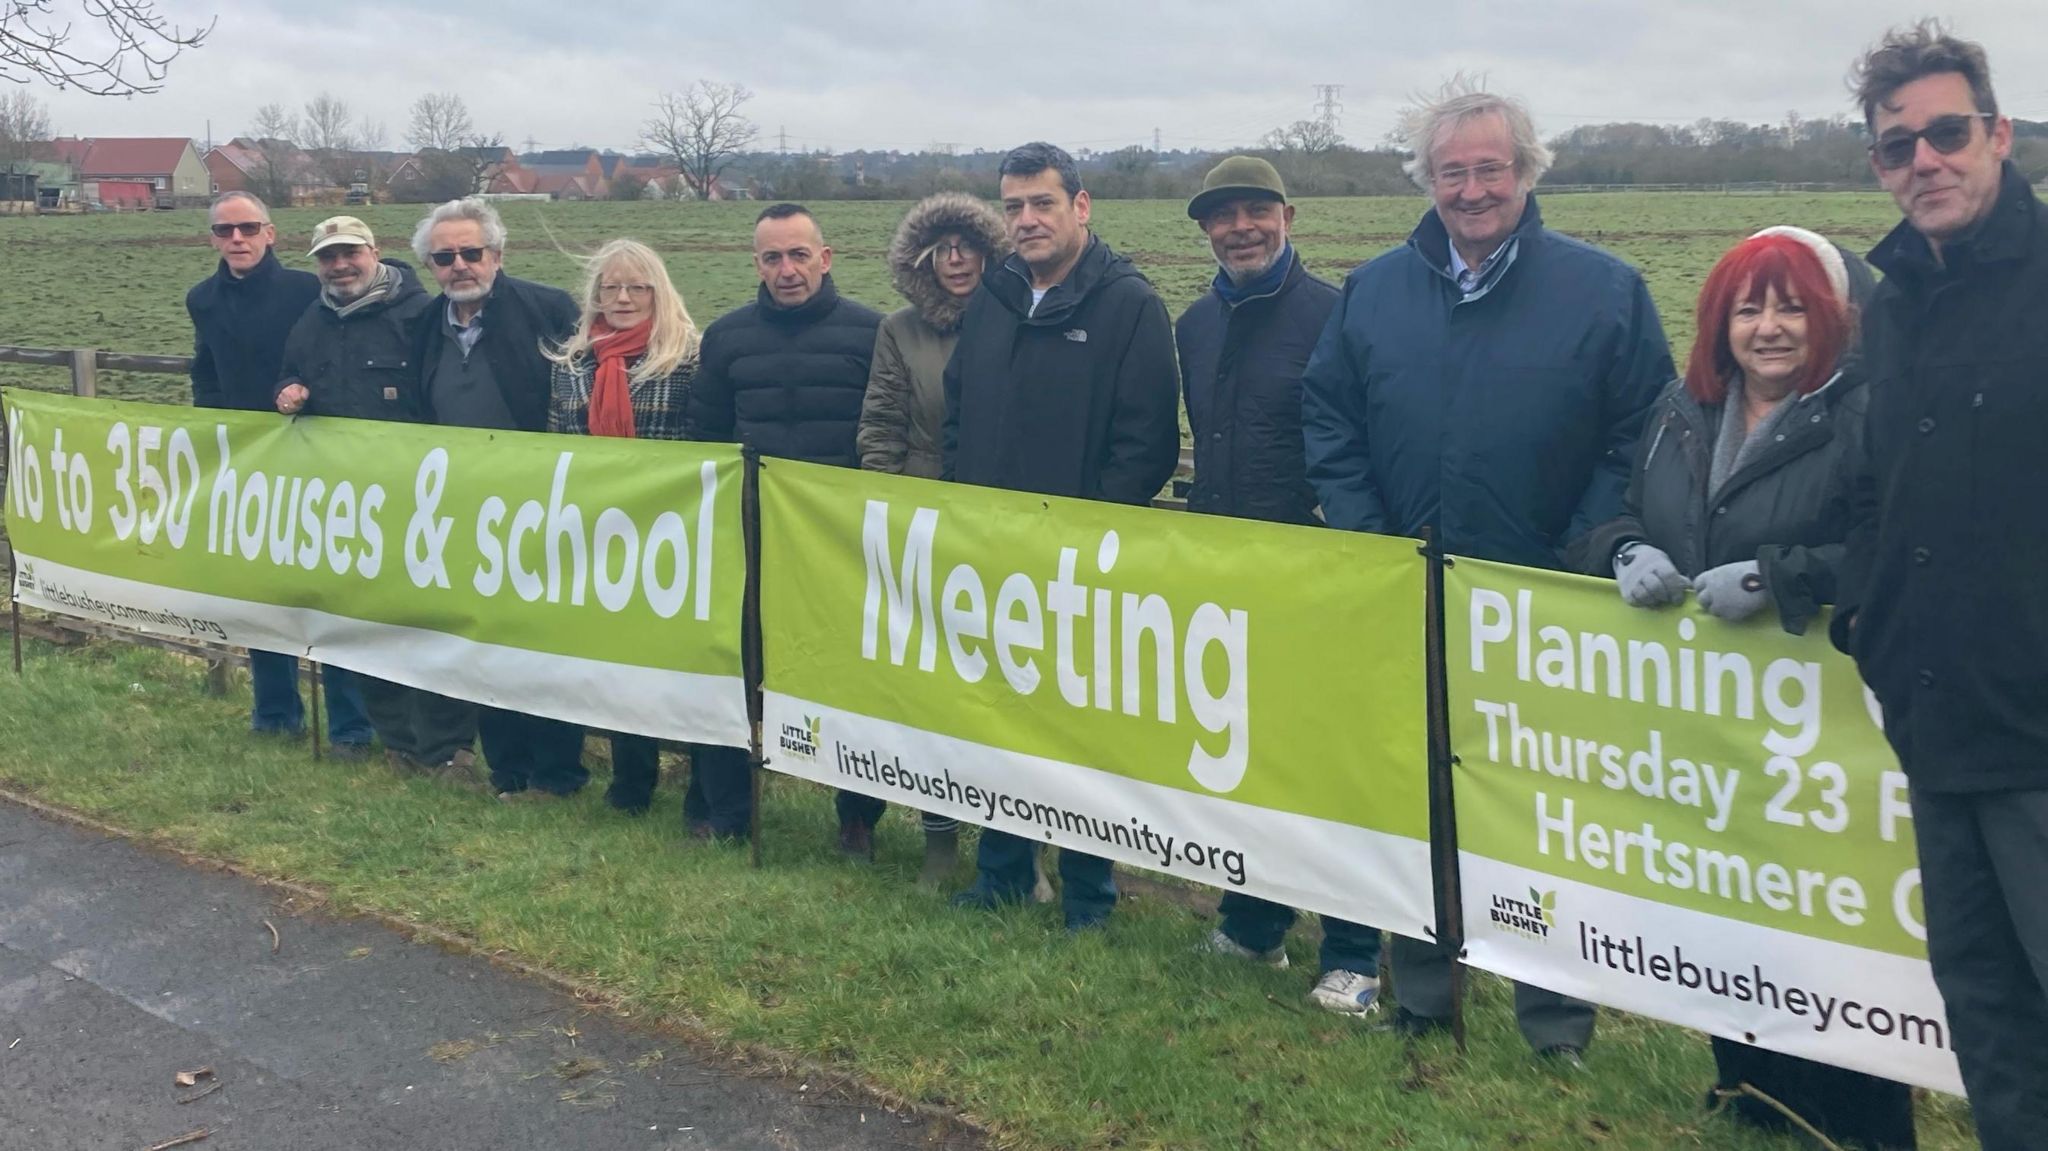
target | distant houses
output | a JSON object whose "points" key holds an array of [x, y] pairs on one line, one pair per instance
{"points": [[130, 173]]}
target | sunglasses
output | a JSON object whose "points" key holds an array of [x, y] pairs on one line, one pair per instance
{"points": [[248, 228], [1945, 134], [447, 258]]}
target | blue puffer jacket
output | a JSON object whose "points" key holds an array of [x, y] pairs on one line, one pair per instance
{"points": [[1506, 422]]}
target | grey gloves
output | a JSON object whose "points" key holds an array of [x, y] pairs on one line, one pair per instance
{"points": [[1648, 578], [1732, 591]]}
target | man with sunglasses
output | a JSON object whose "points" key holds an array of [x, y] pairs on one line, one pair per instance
{"points": [[240, 317], [1941, 602], [1487, 382], [481, 366]]}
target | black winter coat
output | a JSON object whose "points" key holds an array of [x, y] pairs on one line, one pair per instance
{"points": [[1241, 369], [239, 328], [1080, 399], [1950, 542], [1787, 507], [518, 315], [787, 382], [364, 366]]}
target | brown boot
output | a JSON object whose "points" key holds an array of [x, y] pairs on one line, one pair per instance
{"points": [[941, 856]]}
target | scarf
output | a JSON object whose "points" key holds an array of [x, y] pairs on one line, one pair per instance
{"points": [[611, 396], [382, 286], [1265, 284], [1732, 448]]}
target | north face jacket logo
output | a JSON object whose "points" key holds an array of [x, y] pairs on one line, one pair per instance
{"points": [[1077, 335]]}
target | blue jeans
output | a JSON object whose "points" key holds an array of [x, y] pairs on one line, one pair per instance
{"points": [[1260, 925], [1087, 885], [274, 682]]}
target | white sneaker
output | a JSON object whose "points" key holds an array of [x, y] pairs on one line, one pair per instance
{"points": [[1221, 944], [1346, 993]]}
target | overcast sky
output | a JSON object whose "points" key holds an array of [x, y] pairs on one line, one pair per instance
{"points": [[845, 74]]}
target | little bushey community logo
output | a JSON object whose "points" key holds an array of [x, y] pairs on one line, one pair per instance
{"points": [[803, 740], [1533, 919]]}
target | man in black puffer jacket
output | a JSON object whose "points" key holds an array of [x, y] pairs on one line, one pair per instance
{"points": [[785, 376], [1063, 383]]}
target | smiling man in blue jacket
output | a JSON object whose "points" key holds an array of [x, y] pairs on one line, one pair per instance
{"points": [[1487, 381]]}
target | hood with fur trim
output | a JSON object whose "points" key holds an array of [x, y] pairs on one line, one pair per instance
{"points": [[932, 217]]}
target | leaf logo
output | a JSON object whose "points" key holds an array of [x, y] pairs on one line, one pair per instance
{"points": [[816, 724], [1546, 902]]}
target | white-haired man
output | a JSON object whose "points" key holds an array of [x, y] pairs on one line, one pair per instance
{"points": [[481, 366], [1485, 382]]}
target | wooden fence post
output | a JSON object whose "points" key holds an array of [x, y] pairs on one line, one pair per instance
{"points": [[85, 364]]}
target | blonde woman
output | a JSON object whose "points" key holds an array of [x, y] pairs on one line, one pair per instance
{"points": [[626, 371]]}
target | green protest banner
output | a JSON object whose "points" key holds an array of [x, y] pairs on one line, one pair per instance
{"points": [[1237, 703], [593, 580], [1690, 819]]}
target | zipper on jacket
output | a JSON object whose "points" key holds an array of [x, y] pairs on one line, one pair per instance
{"points": [[1656, 442]]}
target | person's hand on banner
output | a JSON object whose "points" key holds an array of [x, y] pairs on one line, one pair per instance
{"points": [[1647, 577], [291, 398], [1732, 591]]}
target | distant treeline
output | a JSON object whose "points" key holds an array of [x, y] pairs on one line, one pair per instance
{"points": [[1797, 151]]}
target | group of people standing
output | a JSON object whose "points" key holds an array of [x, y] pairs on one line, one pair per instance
{"points": [[1830, 441]]}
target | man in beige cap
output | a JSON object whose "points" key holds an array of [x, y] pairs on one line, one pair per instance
{"points": [[353, 354], [1242, 347]]}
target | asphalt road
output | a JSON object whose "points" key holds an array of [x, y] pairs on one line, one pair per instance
{"points": [[120, 967]]}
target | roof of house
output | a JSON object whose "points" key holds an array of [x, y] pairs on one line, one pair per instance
{"points": [[122, 155]]}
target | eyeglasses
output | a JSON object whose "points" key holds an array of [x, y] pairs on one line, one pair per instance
{"points": [[1487, 176], [246, 228], [446, 258], [630, 291], [1945, 134], [948, 250]]}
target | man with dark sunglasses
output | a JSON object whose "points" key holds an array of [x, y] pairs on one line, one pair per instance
{"points": [[1940, 603], [480, 361], [240, 317]]}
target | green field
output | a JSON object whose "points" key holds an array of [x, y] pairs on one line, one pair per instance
{"points": [[118, 282]]}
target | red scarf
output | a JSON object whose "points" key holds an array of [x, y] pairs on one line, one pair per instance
{"points": [[611, 397]]}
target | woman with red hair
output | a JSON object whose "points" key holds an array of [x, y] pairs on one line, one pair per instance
{"points": [[1738, 497]]}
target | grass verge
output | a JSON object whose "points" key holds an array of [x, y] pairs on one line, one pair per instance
{"points": [[1122, 1038]]}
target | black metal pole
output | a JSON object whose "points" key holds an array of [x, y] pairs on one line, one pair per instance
{"points": [[1443, 819], [316, 706], [750, 639]]}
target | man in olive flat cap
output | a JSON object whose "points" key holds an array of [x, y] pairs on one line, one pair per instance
{"points": [[1243, 347]]}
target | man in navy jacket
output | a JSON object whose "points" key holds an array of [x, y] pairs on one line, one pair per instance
{"points": [[240, 317], [1486, 382]]}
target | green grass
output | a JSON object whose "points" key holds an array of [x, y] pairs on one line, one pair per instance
{"points": [[118, 282], [1124, 1038]]}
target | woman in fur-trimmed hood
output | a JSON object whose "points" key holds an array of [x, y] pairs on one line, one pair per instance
{"points": [[936, 260]]}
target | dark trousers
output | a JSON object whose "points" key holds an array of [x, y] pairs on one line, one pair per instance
{"points": [[721, 791], [531, 751], [427, 727], [636, 769], [1261, 924], [1982, 860], [1849, 1107], [1422, 984], [1087, 884], [853, 807], [276, 705]]}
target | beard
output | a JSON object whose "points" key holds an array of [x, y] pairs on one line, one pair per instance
{"points": [[1241, 275], [467, 293]]}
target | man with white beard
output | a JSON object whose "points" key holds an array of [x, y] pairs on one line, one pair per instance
{"points": [[480, 362]]}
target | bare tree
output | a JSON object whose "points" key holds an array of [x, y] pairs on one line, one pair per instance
{"points": [[24, 126], [439, 120], [701, 128], [328, 124], [275, 133], [1304, 137], [128, 45], [372, 135]]}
